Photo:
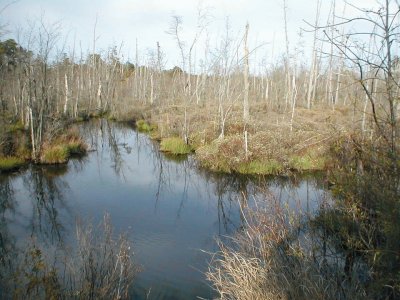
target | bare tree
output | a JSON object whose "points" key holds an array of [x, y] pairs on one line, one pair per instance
{"points": [[314, 65], [377, 62]]}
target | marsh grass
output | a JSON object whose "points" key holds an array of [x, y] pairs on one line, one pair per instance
{"points": [[14, 127], [10, 163], [175, 146], [60, 149], [100, 266], [76, 147], [222, 155], [270, 167], [275, 145], [142, 126], [145, 127], [57, 154], [269, 153], [103, 267], [307, 162], [275, 256]]}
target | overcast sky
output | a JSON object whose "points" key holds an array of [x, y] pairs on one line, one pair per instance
{"points": [[148, 21]]}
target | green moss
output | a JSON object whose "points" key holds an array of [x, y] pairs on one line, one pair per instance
{"points": [[55, 155], [11, 163], [174, 145], [270, 167]]}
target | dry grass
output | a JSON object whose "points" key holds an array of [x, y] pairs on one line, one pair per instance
{"points": [[273, 258], [103, 268], [100, 266]]}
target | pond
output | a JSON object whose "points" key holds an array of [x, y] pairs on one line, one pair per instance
{"points": [[171, 209]]}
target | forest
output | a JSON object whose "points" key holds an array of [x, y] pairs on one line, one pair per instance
{"points": [[332, 111]]}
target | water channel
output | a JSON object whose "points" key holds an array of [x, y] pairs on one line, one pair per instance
{"points": [[172, 210]]}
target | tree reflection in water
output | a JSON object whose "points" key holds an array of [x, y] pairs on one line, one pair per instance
{"points": [[7, 240], [47, 188], [167, 201]]}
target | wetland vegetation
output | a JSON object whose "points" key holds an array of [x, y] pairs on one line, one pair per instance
{"points": [[224, 121]]}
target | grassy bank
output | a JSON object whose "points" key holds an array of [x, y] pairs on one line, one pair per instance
{"points": [[11, 163], [16, 148], [60, 149], [275, 145], [175, 146], [268, 152]]}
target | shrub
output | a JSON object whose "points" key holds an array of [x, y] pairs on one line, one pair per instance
{"points": [[365, 224]]}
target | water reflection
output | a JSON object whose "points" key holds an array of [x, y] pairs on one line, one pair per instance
{"points": [[46, 190], [7, 208], [171, 208]]}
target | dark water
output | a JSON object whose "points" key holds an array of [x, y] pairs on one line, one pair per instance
{"points": [[171, 210]]}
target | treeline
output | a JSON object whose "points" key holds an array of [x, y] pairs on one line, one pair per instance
{"points": [[41, 87]]}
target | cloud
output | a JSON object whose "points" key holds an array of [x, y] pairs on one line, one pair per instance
{"points": [[148, 20]]}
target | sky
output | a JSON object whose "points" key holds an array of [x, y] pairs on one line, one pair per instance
{"points": [[146, 22]]}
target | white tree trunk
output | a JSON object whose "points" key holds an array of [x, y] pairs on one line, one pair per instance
{"points": [[66, 94]]}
